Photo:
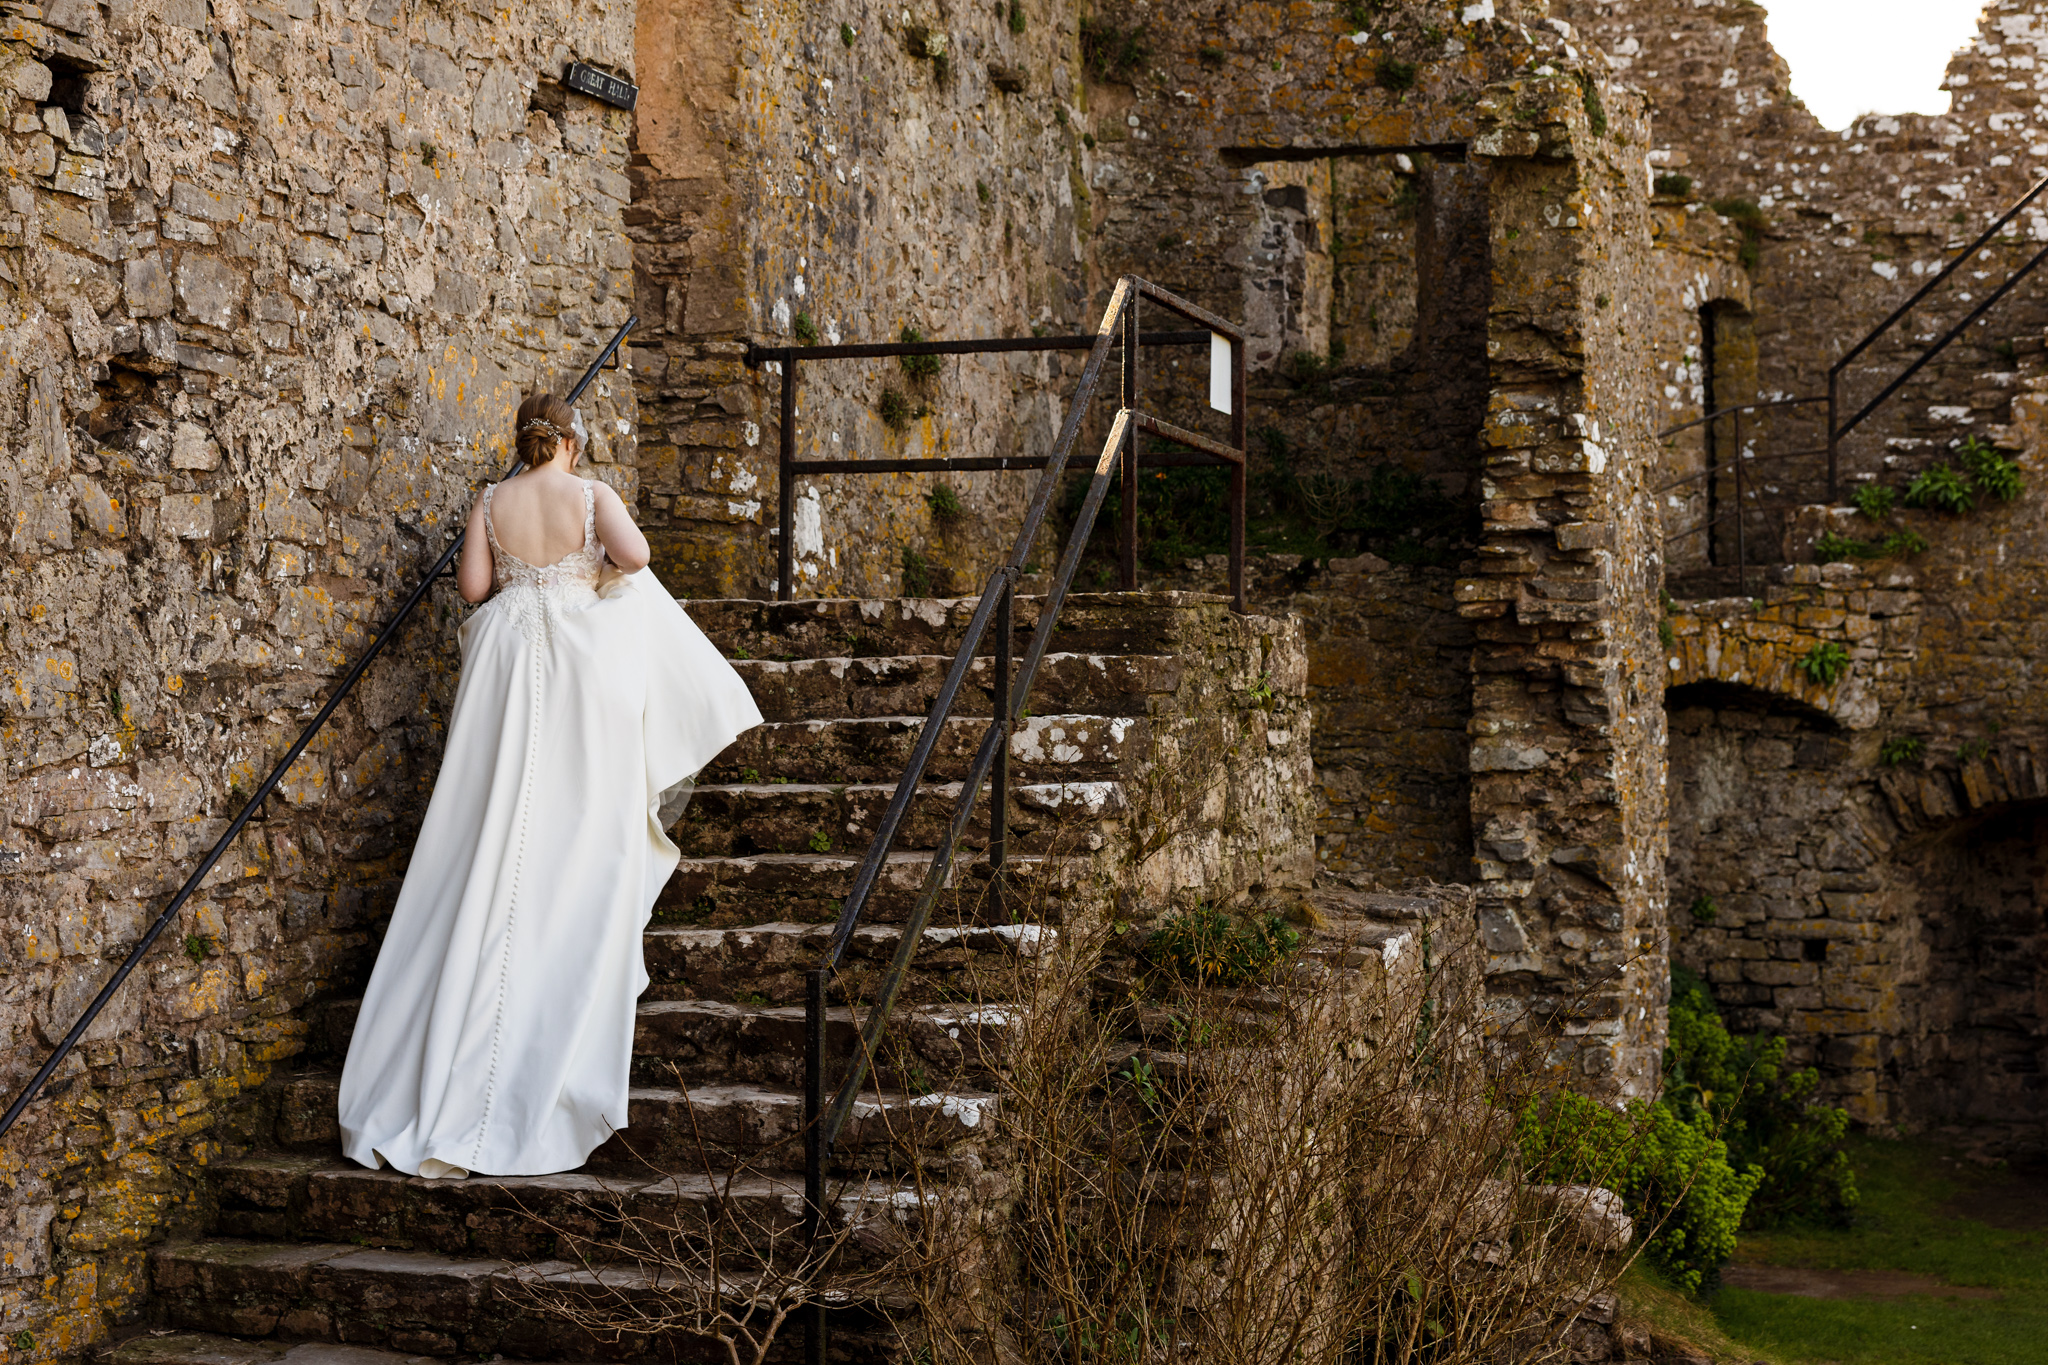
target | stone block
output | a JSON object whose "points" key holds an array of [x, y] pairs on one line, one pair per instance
{"points": [[210, 291], [192, 447], [187, 516], [214, 206], [146, 287]]}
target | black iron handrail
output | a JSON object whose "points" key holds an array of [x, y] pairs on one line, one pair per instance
{"points": [[824, 1121], [269, 784], [1837, 429], [788, 466]]}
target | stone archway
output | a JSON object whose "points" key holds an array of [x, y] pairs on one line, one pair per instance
{"points": [[1744, 642], [1887, 919]]}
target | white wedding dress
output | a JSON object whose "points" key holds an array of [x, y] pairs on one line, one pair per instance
{"points": [[496, 1033]]}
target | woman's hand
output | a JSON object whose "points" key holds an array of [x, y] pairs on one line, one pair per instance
{"points": [[473, 570], [622, 541]]}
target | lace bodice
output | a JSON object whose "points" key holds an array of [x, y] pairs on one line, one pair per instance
{"points": [[529, 590]]}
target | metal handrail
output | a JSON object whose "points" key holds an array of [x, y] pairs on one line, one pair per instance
{"points": [[788, 358], [1736, 407], [823, 1121], [1836, 428], [269, 784]]}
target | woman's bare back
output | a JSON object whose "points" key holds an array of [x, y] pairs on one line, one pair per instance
{"points": [[538, 517]]}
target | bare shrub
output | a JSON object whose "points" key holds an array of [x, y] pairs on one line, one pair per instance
{"points": [[718, 1260], [1321, 1165]]}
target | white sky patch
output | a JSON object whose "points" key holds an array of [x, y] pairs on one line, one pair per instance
{"points": [[1852, 57]]}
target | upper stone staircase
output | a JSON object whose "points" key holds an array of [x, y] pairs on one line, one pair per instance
{"points": [[299, 1251]]}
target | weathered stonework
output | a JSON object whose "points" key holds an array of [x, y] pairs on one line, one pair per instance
{"points": [[798, 167], [1833, 861], [274, 277]]}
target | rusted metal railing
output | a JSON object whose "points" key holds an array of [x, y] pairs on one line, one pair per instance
{"points": [[825, 1117]]}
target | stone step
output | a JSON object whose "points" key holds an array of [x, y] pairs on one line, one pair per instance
{"points": [[207, 1348], [408, 1303], [699, 1042], [718, 1127], [1090, 622], [811, 887], [281, 1197], [1058, 748], [742, 818], [907, 684], [693, 1041], [715, 1127], [767, 964]]}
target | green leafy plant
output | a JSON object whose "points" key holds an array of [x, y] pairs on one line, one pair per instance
{"points": [[1359, 14], [1110, 51], [1835, 549], [1874, 500], [819, 842], [944, 503], [1666, 635], [1211, 55], [806, 329], [894, 409], [1673, 1174], [1208, 947], [750, 775], [1939, 488], [1750, 219], [1762, 1108], [985, 195], [1970, 750], [1596, 112], [917, 366], [917, 574], [1824, 664], [1994, 474], [1395, 75], [1261, 690], [1672, 183], [846, 34], [1704, 911], [1016, 16], [23, 1341], [1901, 749], [196, 947]]}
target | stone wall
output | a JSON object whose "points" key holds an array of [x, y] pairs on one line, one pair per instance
{"points": [[1850, 223], [274, 277], [1825, 822], [835, 173], [1516, 387]]}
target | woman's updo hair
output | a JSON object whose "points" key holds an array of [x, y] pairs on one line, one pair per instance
{"points": [[543, 420]]}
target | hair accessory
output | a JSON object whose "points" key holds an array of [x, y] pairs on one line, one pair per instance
{"points": [[542, 424]]}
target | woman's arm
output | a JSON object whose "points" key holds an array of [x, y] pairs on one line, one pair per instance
{"points": [[623, 543], [473, 570]]}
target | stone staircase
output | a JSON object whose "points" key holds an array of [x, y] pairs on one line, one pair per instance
{"points": [[301, 1254]]}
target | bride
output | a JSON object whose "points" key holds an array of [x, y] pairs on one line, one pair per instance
{"points": [[497, 1030]]}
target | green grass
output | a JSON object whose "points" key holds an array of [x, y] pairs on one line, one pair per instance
{"points": [[1906, 1222]]}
